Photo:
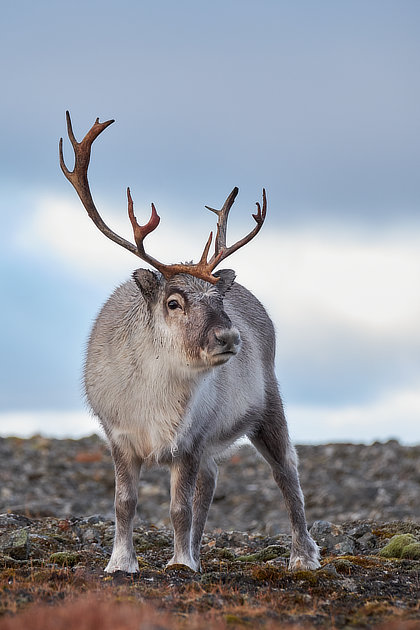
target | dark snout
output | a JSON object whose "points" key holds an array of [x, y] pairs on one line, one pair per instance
{"points": [[224, 343]]}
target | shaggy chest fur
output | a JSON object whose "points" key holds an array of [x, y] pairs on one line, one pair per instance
{"points": [[152, 410]]}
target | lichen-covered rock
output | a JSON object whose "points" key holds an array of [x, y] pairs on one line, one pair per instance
{"points": [[15, 544], [332, 538]]}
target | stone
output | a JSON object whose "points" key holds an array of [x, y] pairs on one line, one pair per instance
{"points": [[367, 541], [341, 483], [8, 520], [15, 544], [332, 538]]}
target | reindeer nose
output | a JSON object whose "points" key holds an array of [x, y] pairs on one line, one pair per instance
{"points": [[227, 340]]}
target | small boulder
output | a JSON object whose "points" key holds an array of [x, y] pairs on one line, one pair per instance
{"points": [[15, 544], [332, 538]]}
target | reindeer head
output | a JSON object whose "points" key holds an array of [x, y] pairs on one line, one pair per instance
{"points": [[187, 315]]}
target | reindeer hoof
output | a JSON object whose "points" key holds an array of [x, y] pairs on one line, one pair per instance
{"points": [[128, 566], [181, 565], [305, 558]]}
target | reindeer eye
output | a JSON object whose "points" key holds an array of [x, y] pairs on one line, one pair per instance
{"points": [[173, 304]]}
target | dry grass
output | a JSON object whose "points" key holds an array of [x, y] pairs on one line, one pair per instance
{"points": [[96, 613], [266, 597], [56, 580]]}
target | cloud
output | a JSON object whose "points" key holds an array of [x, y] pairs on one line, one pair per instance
{"points": [[60, 424], [61, 230], [342, 276], [394, 414], [369, 283], [391, 415]]}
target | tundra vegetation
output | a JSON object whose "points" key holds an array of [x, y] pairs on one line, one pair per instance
{"points": [[52, 555]]}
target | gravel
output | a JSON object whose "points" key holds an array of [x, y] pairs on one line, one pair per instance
{"points": [[341, 482]]}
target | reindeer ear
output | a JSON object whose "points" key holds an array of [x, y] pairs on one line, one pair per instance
{"points": [[227, 278], [148, 283]]}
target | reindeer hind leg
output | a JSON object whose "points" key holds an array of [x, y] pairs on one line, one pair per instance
{"points": [[273, 442]]}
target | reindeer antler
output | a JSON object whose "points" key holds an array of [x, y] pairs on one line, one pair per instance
{"points": [[203, 269], [221, 250]]}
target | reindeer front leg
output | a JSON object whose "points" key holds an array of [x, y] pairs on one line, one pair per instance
{"points": [[127, 470], [183, 481]]}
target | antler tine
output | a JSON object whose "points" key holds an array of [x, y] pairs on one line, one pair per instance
{"points": [[259, 217], [79, 180], [141, 231], [203, 259], [70, 129], [223, 214]]}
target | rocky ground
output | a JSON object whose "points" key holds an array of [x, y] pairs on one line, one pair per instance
{"points": [[341, 482], [56, 536]]}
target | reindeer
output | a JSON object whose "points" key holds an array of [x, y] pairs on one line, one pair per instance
{"points": [[179, 365]]}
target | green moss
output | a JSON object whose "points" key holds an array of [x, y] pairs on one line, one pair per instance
{"points": [[40, 577], [411, 551], [396, 546], [225, 554], [65, 558], [270, 552], [210, 578], [143, 564]]}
